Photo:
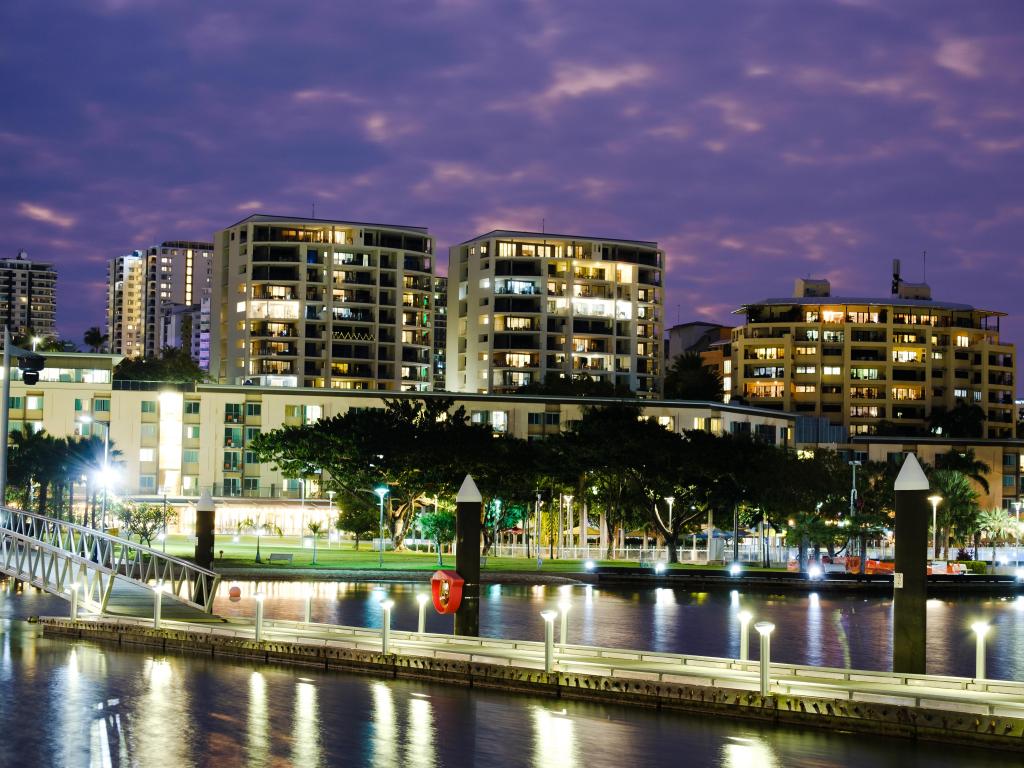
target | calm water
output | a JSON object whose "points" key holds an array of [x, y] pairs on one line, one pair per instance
{"points": [[78, 704], [834, 631]]}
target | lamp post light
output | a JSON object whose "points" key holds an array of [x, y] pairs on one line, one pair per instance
{"points": [[36, 341], [549, 640], [935, 499], [980, 629], [744, 617], [330, 515], [1016, 537], [381, 491], [563, 609], [385, 632], [158, 602], [422, 598], [258, 597], [105, 471], [764, 629]]}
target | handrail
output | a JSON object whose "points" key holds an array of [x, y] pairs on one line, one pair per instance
{"points": [[125, 558]]}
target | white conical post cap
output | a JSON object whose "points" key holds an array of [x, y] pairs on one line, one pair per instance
{"points": [[205, 503], [468, 493], [911, 476]]}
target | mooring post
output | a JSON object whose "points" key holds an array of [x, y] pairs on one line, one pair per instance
{"points": [[468, 511], [910, 582]]}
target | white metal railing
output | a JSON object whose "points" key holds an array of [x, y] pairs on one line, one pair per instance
{"points": [[28, 536]]}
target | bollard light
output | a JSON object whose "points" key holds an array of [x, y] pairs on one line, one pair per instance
{"points": [[1019, 573], [735, 569], [980, 629], [158, 602], [764, 629], [563, 609], [258, 597], [744, 617], [385, 634], [549, 640], [422, 598], [659, 568], [590, 565], [814, 572], [308, 618], [73, 589]]}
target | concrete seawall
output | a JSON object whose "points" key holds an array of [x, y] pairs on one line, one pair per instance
{"points": [[949, 724]]}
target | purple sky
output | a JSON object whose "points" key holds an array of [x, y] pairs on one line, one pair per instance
{"points": [[756, 141]]}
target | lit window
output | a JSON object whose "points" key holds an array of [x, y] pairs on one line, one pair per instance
{"points": [[145, 454]]}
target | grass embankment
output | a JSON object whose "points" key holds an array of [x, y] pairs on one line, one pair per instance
{"points": [[230, 554]]}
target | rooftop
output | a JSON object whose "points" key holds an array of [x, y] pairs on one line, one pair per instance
{"points": [[888, 301], [545, 236], [264, 217]]}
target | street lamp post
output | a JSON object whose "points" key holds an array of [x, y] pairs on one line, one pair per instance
{"points": [[381, 491], [764, 629], [385, 633], [1016, 538], [670, 500], [935, 499], [330, 515], [980, 629], [105, 470], [422, 598], [744, 617], [549, 640]]}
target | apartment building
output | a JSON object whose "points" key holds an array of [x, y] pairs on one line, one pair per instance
{"points": [[530, 306], [440, 331], [178, 440], [125, 303], [873, 366], [177, 274], [188, 328], [323, 303], [28, 296]]}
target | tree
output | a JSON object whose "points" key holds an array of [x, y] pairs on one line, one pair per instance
{"points": [[965, 463], [577, 385], [171, 365], [688, 378], [95, 339], [958, 513], [360, 520], [962, 420], [144, 520], [315, 529], [439, 527]]}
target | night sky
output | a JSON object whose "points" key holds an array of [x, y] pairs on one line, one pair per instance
{"points": [[756, 141]]}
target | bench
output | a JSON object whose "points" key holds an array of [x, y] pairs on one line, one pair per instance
{"points": [[280, 557]]}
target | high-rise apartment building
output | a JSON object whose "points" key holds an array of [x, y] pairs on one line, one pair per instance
{"points": [[873, 366], [319, 303], [177, 273], [188, 328], [530, 306], [125, 291], [28, 300], [440, 331]]}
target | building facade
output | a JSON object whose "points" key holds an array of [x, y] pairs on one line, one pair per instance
{"points": [[179, 440], [873, 366], [440, 332], [530, 306], [28, 296], [177, 274], [320, 303], [125, 304]]}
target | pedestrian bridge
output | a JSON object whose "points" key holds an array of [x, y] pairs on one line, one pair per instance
{"points": [[111, 575]]}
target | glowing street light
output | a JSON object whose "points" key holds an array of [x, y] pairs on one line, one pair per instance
{"points": [[765, 629], [549, 640], [385, 633], [158, 602], [744, 617], [735, 569], [381, 491], [980, 629], [422, 598], [935, 499]]}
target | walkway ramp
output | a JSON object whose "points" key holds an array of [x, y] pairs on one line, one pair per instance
{"points": [[112, 575]]}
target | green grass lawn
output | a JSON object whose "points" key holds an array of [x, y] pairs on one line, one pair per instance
{"points": [[242, 554]]}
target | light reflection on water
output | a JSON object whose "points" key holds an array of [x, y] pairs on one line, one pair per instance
{"points": [[819, 629], [79, 704]]}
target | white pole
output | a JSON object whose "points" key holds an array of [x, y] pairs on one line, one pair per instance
{"points": [[308, 619], [385, 633], [744, 617], [422, 599], [74, 600], [158, 603], [549, 640], [259, 616], [980, 630], [5, 414], [563, 608], [764, 629]]}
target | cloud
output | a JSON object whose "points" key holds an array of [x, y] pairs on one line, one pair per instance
{"points": [[962, 56], [382, 128], [47, 215], [249, 205], [572, 81], [734, 113], [325, 95]]}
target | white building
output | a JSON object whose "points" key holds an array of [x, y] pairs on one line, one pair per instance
{"points": [[125, 295], [28, 296]]}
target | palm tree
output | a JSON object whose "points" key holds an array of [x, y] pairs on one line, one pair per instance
{"points": [[959, 511], [999, 525], [966, 463], [95, 339], [315, 528]]}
